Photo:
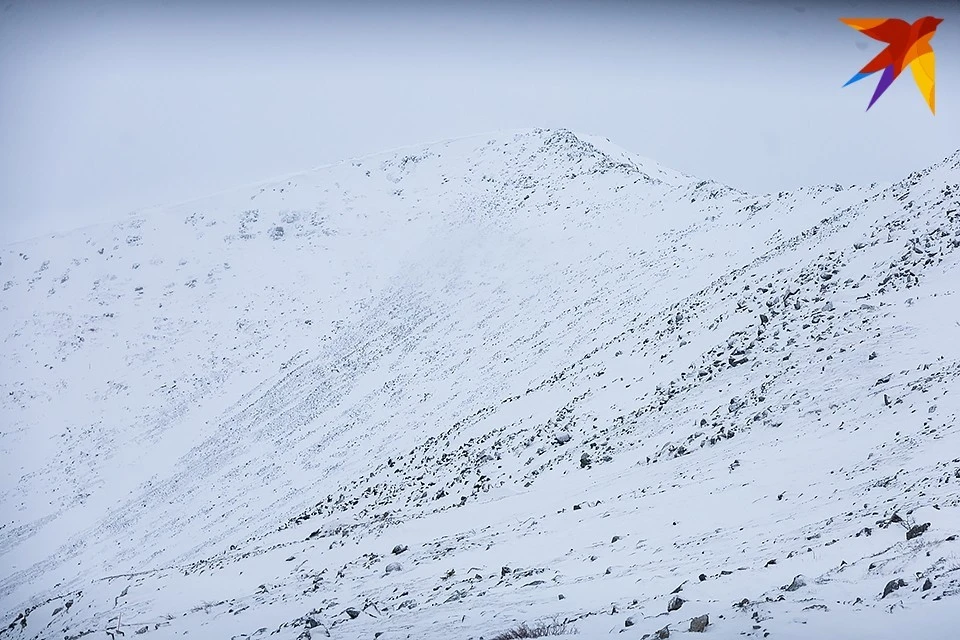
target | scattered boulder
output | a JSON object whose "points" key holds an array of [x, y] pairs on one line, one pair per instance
{"points": [[927, 585], [735, 362], [353, 613], [699, 624], [798, 582], [675, 603], [400, 548], [393, 566], [629, 622], [585, 460], [562, 438], [662, 634], [892, 586], [917, 531]]}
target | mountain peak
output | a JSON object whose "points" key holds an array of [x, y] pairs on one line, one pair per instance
{"points": [[430, 391]]}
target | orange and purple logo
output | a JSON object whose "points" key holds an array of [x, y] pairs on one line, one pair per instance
{"points": [[907, 45]]}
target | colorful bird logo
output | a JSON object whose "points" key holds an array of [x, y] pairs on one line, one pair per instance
{"points": [[907, 44]]}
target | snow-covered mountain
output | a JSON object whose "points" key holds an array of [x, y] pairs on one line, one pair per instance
{"points": [[442, 391]]}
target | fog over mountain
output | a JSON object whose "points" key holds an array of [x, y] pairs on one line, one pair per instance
{"points": [[513, 378]]}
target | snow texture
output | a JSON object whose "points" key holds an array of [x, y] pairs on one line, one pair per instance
{"points": [[444, 391]]}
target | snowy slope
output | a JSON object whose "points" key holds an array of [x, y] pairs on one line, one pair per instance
{"points": [[220, 418]]}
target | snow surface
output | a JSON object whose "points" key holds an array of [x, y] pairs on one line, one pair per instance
{"points": [[220, 418]]}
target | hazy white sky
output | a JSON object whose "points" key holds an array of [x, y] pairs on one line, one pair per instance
{"points": [[109, 106]]}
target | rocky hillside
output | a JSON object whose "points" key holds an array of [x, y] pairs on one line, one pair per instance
{"points": [[439, 392]]}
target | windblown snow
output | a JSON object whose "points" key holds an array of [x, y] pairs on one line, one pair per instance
{"points": [[443, 391]]}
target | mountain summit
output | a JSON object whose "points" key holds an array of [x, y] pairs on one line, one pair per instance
{"points": [[444, 391]]}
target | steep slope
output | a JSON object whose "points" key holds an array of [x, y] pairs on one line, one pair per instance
{"points": [[543, 365]]}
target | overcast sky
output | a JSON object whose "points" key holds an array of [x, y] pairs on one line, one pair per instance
{"points": [[111, 106]]}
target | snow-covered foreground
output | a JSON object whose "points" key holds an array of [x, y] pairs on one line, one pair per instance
{"points": [[438, 392]]}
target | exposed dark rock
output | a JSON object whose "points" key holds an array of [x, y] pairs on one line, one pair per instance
{"points": [[917, 531], [892, 586], [675, 603], [798, 582], [699, 624]]}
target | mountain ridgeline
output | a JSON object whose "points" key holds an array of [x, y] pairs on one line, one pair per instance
{"points": [[513, 379]]}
